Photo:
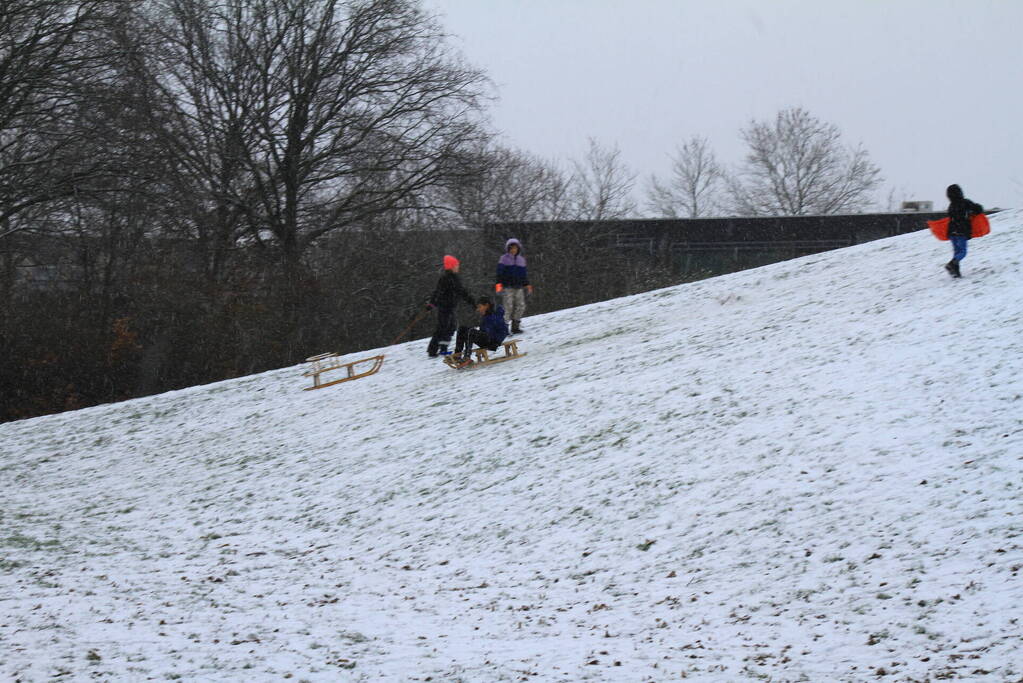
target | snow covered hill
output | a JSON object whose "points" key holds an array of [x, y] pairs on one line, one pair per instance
{"points": [[808, 471]]}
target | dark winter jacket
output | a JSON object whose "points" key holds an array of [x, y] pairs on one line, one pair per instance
{"points": [[494, 326], [511, 270], [960, 210], [449, 290]]}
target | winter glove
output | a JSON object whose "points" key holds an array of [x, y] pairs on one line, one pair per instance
{"points": [[498, 287]]}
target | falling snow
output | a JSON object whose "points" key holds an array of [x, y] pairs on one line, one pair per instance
{"points": [[807, 471]]}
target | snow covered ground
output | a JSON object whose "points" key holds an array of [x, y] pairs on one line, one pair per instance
{"points": [[808, 471]]}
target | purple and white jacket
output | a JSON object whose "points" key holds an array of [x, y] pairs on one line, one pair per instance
{"points": [[511, 270]]}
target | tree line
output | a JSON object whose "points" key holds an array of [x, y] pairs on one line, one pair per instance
{"points": [[195, 190]]}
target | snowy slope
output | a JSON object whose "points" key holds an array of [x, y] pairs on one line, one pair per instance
{"points": [[807, 471]]}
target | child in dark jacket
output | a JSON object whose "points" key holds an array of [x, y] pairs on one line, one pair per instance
{"points": [[445, 298], [489, 335], [960, 211]]}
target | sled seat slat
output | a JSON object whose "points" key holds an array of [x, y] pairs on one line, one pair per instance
{"points": [[511, 350]]}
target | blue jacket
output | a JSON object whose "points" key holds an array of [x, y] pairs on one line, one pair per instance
{"points": [[494, 326]]}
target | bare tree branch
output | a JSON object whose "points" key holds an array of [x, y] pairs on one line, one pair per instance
{"points": [[797, 166], [601, 185], [307, 116], [509, 186], [694, 187], [50, 53]]}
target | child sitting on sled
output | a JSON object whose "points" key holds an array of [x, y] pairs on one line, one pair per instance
{"points": [[491, 332]]}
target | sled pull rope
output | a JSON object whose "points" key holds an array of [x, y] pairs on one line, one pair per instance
{"points": [[408, 327]]}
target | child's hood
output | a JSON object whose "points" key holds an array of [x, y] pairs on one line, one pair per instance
{"points": [[508, 259]]}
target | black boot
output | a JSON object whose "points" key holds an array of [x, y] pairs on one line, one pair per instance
{"points": [[463, 359], [953, 268], [516, 328]]}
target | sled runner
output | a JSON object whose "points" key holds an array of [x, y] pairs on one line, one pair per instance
{"points": [[325, 362], [511, 350], [979, 226]]}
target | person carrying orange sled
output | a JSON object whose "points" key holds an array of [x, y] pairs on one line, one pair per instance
{"points": [[960, 212]]}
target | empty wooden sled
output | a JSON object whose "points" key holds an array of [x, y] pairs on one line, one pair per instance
{"points": [[327, 362], [511, 350]]}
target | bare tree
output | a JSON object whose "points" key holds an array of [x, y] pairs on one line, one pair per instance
{"points": [[48, 55], [508, 186], [893, 199], [601, 185], [797, 166], [694, 186], [306, 116], [197, 102]]}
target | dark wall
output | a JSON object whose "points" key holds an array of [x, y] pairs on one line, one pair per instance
{"points": [[713, 246]]}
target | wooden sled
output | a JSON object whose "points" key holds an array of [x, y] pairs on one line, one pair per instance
{"points": [[326, 362], [511, 350]]}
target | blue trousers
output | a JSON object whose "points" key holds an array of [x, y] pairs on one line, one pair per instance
{"points": [[958, 247]]}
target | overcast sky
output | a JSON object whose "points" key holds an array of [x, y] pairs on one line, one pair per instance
{"points": [[932, 88]]}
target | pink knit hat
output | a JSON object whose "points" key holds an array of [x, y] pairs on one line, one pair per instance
{"points": [[450, 262]]}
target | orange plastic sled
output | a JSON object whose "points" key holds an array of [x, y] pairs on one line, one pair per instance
{"points": [[979, 227]]}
